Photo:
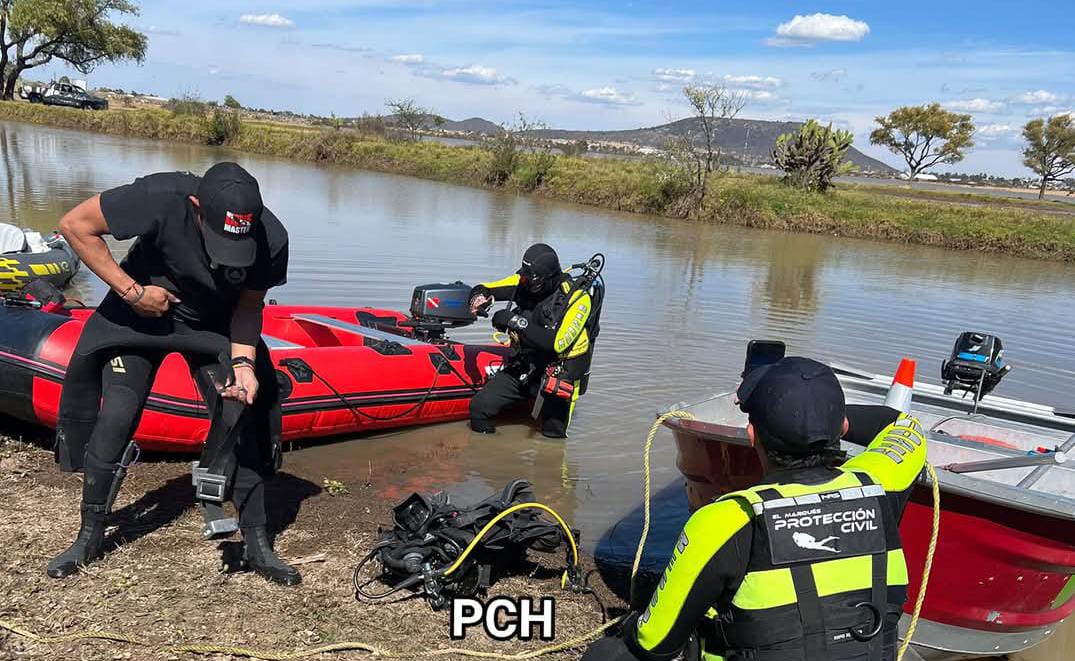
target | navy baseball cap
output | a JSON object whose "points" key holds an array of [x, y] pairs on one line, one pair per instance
{"points": [[231, 205], [795, 404]]}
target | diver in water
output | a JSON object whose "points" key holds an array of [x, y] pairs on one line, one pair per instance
{"points": [[553, 324], [807, 565], [193, 282]]}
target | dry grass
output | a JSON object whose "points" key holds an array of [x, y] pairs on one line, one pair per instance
{"points": [[160, 582]]}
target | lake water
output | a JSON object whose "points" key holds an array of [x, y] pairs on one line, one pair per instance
{"points": [[683, 300]]}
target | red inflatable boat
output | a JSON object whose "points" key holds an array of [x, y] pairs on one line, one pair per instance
{"points": [[358, 369]]}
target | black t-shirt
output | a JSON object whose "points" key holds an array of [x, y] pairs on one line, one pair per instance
{"points": [[169, 251]]}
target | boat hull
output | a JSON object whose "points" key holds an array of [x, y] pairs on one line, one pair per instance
{"points": [[363, 378]]}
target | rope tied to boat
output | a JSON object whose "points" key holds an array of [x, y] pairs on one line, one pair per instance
{"points": [[926, 568], [577, 641]]}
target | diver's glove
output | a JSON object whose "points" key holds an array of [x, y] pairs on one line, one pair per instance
{"points": [[480, 300], [509, 320]]}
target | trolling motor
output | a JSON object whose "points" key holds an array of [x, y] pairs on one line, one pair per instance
{"points": [[975, 366], [442, 550]]}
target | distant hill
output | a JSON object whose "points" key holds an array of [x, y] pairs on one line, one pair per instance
{"points": [[472, 125], [747, 140]]}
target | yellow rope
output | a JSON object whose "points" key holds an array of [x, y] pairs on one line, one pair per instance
{"points": [[936, 488], [447, 651], [298, 654], [646, 487]]}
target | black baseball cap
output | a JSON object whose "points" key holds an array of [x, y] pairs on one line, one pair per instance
{"points": [[795, 404], [231, 207]]}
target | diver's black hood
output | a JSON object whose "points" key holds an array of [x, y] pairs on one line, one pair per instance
{"points": [[541, 269]]}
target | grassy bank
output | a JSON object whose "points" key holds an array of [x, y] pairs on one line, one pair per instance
{"points": [[633, 186]]}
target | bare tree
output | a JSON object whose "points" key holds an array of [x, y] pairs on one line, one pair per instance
{"points": [[409, 115], [1050, 149], [698, 149]]}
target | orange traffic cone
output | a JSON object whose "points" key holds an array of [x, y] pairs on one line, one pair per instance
{"points": [[899, 395]]}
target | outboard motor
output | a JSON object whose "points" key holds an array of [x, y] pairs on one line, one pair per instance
{"points": [[975, 366], [438, 307]]}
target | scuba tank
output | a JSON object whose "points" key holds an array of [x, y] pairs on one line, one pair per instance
{"points": [[443, 550]]}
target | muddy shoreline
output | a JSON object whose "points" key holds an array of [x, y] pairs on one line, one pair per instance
{"points": [[163, 584]]}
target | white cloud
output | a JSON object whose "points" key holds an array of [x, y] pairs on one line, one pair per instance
{"points": [[267, 20], [475, 74], [1037, 97], [1049, 111], [833, 75], [807, 30], [609, 96], [153, 29], [754, 82], [760, 95], [976, 105], [674, 75], [409, 58], [994, 130]]}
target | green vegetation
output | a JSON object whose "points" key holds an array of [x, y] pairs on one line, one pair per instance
{"points": [[643, 186], [34, 32], [813, 156], [924, 136], [1050, 150]]}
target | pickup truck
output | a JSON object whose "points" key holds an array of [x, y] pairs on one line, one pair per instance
{"points": [[64, 94]]}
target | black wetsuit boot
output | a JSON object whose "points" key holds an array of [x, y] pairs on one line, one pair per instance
{"points": [[264, 561], [87, 547]]}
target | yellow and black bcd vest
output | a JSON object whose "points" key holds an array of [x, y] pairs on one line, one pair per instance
{"points": [[817, 583]]}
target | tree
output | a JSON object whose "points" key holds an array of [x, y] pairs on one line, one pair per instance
{"points": [[78, 32], [813, 156], [408, 114], [924, 136], [1050, 150], [698, 150], [231, 102]]}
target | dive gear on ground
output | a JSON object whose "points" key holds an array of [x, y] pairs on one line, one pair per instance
{"points": [[442, 549]]}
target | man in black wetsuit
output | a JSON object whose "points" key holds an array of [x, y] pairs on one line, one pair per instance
{"points": [[193, 282]]}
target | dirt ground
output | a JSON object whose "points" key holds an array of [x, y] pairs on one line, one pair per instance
{"points": [[161, 583]]}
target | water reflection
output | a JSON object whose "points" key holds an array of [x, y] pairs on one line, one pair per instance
{"points": [[683, 300]]}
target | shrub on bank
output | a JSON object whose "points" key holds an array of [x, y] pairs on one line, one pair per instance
{"points": [[653, 187]]}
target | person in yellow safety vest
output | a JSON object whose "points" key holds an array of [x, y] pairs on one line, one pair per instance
{"points": [[550, 321], [806, 566]]}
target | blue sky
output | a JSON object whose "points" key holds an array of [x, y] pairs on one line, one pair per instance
{"points": [[608, 65]]}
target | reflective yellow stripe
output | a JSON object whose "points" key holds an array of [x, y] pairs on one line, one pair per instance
{"points": [[843, 575], [39, 269], [765, 589], [53, 268], [510, 281], [897, 568], [895, 457], [843, 481], [573, 325], [705, 533]]}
